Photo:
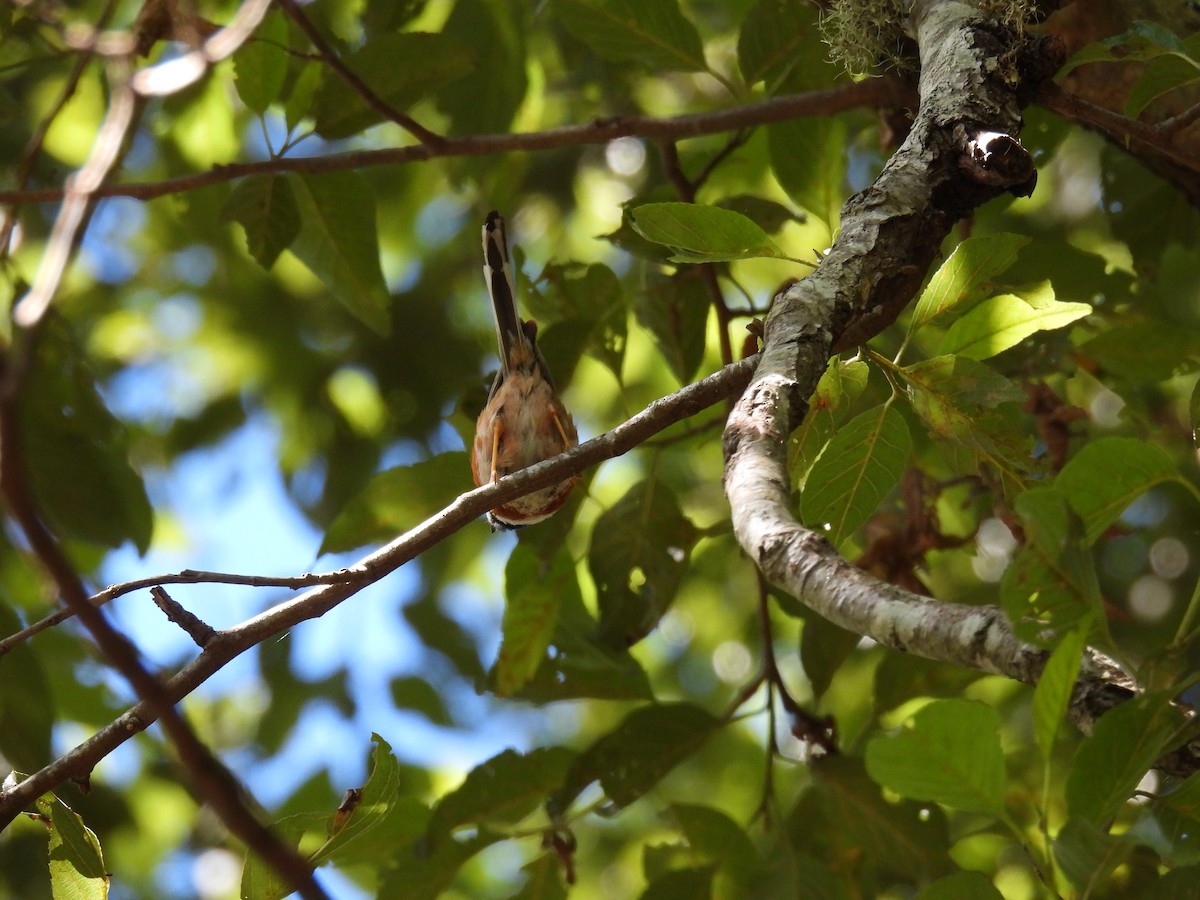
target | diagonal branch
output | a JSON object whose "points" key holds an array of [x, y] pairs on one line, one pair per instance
{"points": [[889, 236], [226, 645]]}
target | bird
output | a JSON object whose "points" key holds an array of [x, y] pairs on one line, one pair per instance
{"points": [[523, 421]]}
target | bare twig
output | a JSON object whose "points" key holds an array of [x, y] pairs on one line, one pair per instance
{"points": [[196, 628], [230, 643], [872, 92], [360, 87]]}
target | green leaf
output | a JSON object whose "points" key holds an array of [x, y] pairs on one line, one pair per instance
{"points": [[633, 757], [861, 464], [397, 499], [823, 648], [966, 274], [266, 209], [808, 157], [544, 879], [76, 451], [400, 68], [1161, 76], [502, 791], [534, 591], [418, 695], [699, 234], [949, 752], [300, 101], [1107, 474], [681, 884], [651, 32], [260, 65], [1052, 582], [675, 311], [962, 886], [1123, 746], [27, 704], [487, 97], [1004, 321], [1144, 352], [417, 874], [580, 665], [771, 40], [850, 816], [592, 297], [638, 554], [338, 242], [1088, 855], [718, 839], [77, 870], [1053, 691], [840, 385]]}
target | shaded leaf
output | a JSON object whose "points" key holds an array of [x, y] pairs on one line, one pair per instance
{"points": [[397, 499], [717, 838], [502, 790], [1144, 351], [338, 242], [1087, 854], [418, 874], [487, 97], [675, 311], [637, 557], [534, 591], [962, 886], [418, 695], [681, 884], [633, 757], [27, 705], [1123, 746], [1053, 691], [771, 38], [948, 752], [265, 208], [858, 468], [1107, 474], [260, 65], [399, 67], [651, 32], [808, 157]]}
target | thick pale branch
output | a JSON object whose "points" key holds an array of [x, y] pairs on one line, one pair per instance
{"points": [[225, 645], [889, 236]]}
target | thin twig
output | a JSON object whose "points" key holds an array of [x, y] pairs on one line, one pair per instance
{"points": [[872, 92], [360, 87], [196, 628], [230, 643]]}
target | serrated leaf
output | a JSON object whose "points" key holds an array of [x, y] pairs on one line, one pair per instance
{"points": [[948, 752], [397, 499], [1123, 746], [1053, 691], [1004, 321], [266, 209], [651, 32], [634, 756], [840, 385], [534, 591], [699, 234], [77, 870], [638, 554], [339, 243], [399, 67], [1106, 475], [261, 63], [502, 790], [966, 274], [770, 40], [860, 465], [1052, 581], [808, 157]]}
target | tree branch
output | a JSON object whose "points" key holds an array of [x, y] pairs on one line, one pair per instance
{"points": [[227, 644], [889, 236], [872, 92]]}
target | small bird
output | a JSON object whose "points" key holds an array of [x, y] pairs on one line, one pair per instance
{"points": [[523, 421]]}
